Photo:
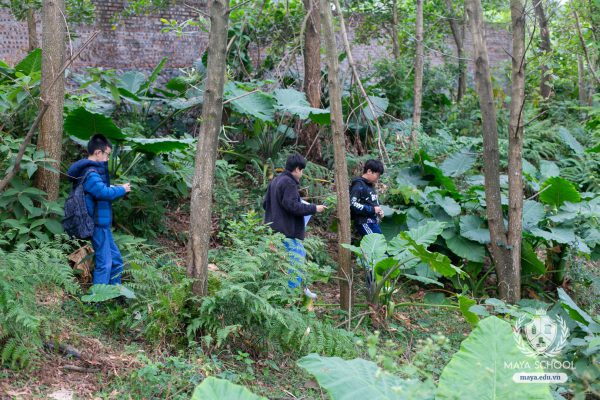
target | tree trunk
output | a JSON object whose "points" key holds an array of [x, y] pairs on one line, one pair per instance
{"points": [[53, 93], [545, 47], [515, 151], [418, 88], [590, 64], [581, 81], [312, 77], [394, 30], [458, 35], [339, 153], [32, 30], [491, 160], [206, 152]]}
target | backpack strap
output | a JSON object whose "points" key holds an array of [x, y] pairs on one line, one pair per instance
{"points": [[88, 171]]}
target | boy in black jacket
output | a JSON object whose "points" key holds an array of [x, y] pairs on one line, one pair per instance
{"points": [[365, 209], [285, 213]]}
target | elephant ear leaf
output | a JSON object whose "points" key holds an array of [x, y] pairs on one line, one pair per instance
{"points": [[484, 366]]}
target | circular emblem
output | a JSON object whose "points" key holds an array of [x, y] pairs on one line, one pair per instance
{"points": [[546, 336]]}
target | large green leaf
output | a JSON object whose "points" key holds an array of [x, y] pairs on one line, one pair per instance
{"points": [[471, 228], [449, 205], [295, 103], [213, 388], [570, 140], [549, 169], [465, 248], [530, 263], [101, 292], [426, 233], [31, 63], [438, 262], [84, 124], [575, 312], [559, 235], [464, 304], [438, 177], [131, 81], [458, 163], [362, 379], [380, 104], [257, 105], [481, 368], [595, 149], [533, 213], [373, 247], [555, 191], [154, 75], [159, 145]]}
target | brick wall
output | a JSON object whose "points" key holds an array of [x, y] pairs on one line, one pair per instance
{"points": [[137, 43]]}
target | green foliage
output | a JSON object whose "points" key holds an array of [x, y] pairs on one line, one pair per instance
{"points": [[216, 389], [358, 378], [479, 368], [25, 214], [24, 275], [173, 377], [100, 293]]}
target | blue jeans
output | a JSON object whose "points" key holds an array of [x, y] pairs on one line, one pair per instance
{"points": [[297, 255], [367, 228], [109, 263]]}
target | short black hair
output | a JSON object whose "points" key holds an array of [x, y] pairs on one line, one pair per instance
{"points": [[98, 142], [295, 161], [374, 166]]}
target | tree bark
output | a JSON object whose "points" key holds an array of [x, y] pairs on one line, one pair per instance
{"points": [[339, 153], [394, 30], [545, 47], [581, 81], [515, 153], [312, 77], [418, 86], [350, 58], [53, 93], [491, 160], [585, 49], [206, 152], [32, 30], [458, 35]]}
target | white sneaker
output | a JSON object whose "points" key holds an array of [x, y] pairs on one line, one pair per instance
{"points": [[309, 294]]}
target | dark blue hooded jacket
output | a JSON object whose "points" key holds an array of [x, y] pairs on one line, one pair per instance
{"points": [[98, 193]]}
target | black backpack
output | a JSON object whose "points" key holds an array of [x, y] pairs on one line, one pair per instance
{"points": [[77, 222]]}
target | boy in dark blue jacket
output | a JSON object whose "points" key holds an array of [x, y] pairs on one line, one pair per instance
{"points": [[99, 194], [365, 209], [285, 212]]}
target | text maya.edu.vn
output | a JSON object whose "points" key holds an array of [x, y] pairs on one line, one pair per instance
{"points": [[540, 377]]}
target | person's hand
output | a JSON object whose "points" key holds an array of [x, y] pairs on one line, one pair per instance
{"points": [[321, 208], [127, 187], [379, 211]]}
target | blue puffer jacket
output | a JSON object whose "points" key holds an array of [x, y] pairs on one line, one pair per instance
{"points": [[98, 193]]}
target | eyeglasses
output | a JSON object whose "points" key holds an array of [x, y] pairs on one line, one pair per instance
{"points": [[108, 153]]}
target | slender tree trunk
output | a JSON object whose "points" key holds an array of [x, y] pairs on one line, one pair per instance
{"points": [[458, 35], [370, 105], [394, 30], [545, 47], [515, 152], [418, 87], [591, 66], [51, 127], [339, 152], [312, 76], [32, 30], [491, 160], [206, 152], [581, 81]]}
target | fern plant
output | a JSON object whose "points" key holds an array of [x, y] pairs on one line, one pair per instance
{"points": [[23, 323]]}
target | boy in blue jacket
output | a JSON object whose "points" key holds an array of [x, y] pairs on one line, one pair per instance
{"points": [[99, 194]]}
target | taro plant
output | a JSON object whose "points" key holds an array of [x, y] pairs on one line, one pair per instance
{"points": [[407, 256]]}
